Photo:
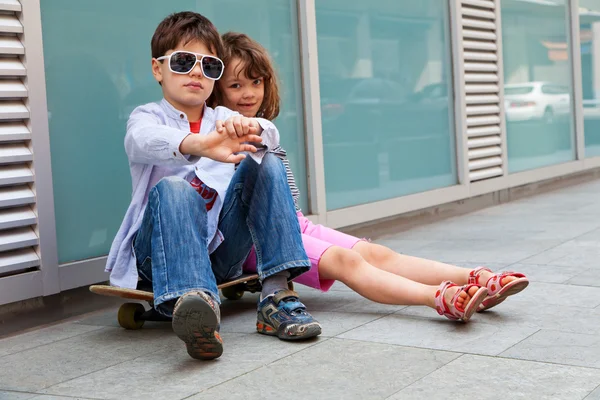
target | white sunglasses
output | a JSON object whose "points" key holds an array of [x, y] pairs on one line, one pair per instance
{"points": [[183, 62]]}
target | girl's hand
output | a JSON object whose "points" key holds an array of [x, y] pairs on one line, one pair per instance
{"points": [[239, 126]]}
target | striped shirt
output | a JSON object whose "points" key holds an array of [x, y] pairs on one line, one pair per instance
{"points": [[280, 153]]}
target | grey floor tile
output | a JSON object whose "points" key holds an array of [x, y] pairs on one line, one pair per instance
{"points": [[586, 277], [333, 323], [109, 319], [101, 319], [504, 226], [239, 316], [503, 379], [365, 306], [171, 374], [594, 395], [5, 395], [46, 365], [402, 243], [336, 369], [523, 208], [33, 396], [436, 332], [340, 286], [573, 253], [538, 293], [546, 273], [336, 323], [484, 251], [477, 229], [41, 337], [318, 301], [492, 266], [547, 257], [46, 397], [592, 236], [560, 348], [342, 301], [565, 229], [543, 316]]}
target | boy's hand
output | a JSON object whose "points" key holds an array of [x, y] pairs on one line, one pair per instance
{"points": [[219, 147], [239, 126]]}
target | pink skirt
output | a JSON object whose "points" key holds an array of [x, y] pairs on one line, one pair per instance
{"points": [[316, 239]]}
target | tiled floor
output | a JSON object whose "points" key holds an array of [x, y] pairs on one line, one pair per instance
{"points": [[542, 344]]}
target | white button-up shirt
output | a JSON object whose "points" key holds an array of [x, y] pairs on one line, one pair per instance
{"points": [[154, 134]]}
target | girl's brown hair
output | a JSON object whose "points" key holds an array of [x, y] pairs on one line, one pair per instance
{"points": [[256, 63]]}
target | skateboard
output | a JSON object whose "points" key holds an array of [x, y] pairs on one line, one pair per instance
{"points": [[133, 315]]}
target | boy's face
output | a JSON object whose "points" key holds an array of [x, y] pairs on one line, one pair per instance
{"points": [[184, 91]]}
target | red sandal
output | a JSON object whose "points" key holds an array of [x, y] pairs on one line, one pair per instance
{"points": [[451, 311], [496, 292]]}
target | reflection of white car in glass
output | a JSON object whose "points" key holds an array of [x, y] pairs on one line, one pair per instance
{"points": [[536, 101]]}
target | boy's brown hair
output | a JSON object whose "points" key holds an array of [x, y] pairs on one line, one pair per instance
{"points": [[185, 26], [256, 63]]}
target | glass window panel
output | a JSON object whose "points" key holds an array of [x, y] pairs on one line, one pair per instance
{"points": [[98, 71], [386, 99]]}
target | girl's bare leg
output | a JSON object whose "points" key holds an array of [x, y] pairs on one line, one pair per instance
{"points": [[420, 270], [379, 285]]}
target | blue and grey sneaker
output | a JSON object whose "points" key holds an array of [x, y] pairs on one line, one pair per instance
{"points": [[281, 314], [196, 320]]}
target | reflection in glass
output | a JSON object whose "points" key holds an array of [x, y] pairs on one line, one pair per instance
{"points": [[98, 70], [538, 83], [589, 32], [385, 74]]}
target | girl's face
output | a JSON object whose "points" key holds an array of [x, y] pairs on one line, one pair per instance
{"points": [[240, 93]]}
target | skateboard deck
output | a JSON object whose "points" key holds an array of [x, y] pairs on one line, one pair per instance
{"points": [[133, 315], [134, 294]]}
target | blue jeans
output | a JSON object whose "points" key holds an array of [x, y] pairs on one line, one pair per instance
{"points": [[171, 246]]}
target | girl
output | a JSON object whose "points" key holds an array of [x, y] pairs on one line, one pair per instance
{"points": [[249, 86]]}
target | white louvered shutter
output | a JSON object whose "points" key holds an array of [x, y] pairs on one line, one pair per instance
{"points": [[18, 237], [482, 88]]}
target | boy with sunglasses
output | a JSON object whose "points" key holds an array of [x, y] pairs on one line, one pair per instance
{"points": [[194, 217]]}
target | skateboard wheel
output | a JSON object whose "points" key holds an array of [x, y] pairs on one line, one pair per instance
{"points": [[234, 292], [253, 286], [129, 316]]}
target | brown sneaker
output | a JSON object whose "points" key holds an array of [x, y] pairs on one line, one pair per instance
{"points": [[196, 321]]}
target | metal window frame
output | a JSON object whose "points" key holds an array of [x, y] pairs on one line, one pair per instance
{"points": [[40, 141], [500, 64], [309, 60], [45, 281], [576, 75], [460, 96]]}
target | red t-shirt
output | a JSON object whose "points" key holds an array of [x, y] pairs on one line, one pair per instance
{"points": [[208, 194]]}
